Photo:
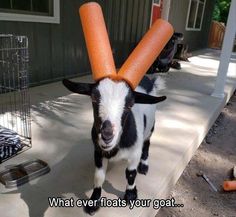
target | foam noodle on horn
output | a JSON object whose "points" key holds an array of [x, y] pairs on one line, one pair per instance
{"points": [[97, 41], [142, 57]]}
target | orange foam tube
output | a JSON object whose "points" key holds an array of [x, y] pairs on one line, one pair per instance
{"points": [[146, 52], [229, 185], [97, 41]]}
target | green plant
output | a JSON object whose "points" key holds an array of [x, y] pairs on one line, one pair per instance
{"points": [[221, 10]]}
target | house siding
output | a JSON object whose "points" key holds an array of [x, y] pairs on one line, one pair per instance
{"points": [[177, 17], [58, 50]]}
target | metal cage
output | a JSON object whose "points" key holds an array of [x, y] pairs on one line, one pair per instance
{"points": [[14, 87]]}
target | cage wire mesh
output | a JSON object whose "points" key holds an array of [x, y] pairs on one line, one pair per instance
{"points": [[14, 89]]}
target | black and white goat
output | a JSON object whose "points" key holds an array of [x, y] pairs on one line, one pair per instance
{"points": [[123, 124], [124, 102]]}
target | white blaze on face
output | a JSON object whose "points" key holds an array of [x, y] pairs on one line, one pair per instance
{"points": [[111, 106]]}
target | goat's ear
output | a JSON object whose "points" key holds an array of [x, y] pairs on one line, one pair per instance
{"points": [[81, 88], [147, 99]]}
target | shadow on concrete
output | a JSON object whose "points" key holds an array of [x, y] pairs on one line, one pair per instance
{"points": [[71, 177], [55, 108], [213, 54], [215, 160], [62, 128]]}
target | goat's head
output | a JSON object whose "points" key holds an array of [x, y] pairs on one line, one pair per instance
{"points": [[113, 93], [112, 101]]}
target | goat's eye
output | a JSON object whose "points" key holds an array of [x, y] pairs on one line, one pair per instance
{"points": [[94, 100], [128, 107]]}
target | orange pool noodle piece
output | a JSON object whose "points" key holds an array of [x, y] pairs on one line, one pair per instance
{"points": [[146, 52], [97, 41], [229, 185]]}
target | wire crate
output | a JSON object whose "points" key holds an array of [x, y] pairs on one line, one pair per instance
{"points": [[14, 88]]}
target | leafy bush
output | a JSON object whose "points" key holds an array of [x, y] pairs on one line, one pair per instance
{"points": [[221, 10]]}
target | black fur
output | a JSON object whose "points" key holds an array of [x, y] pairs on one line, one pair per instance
{"points": [[95, 197], [98, 158], [129, 134], [145, 150], [110, 154], [95, 96], [96, 194], [142, 168], [153, 128], [130, 176], [94, 135], [131, 194], [129, 101], [147, 84], [91, 210], [144, 121]]}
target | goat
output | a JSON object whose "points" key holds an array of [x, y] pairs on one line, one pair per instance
{"points": [[123, 124], [124, 113]]}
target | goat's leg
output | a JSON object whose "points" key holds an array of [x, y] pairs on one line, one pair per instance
{"points": [[131, 172], [143, 164], [99, 177]]}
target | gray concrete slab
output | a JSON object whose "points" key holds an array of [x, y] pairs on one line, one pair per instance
{"points": [[61, 124]]}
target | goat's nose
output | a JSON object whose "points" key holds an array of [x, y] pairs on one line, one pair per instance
{"points": [[107, 131]]}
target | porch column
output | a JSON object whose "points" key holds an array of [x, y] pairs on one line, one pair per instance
{"points": [[166, 10], [226, 52]]}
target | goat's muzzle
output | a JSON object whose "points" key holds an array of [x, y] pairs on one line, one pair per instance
{"points": [[107, 132]]}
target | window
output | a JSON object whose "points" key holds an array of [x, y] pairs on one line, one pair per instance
{"points": [[46, 11], [195, 15]]}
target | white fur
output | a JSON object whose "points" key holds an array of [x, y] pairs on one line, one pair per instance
{"points": [[160, 83], [130, 187], [145, 162], [111, 106], [100, 174]]}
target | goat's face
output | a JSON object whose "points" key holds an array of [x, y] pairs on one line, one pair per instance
{"points": [[112, 102]]}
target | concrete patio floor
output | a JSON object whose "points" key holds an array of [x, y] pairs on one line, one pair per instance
{"points": [[61, 124]]}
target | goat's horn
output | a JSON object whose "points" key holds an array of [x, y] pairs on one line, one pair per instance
{"points": [[139, 61], [97, 41]]}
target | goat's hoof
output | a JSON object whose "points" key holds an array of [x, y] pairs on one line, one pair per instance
{"points": [[142, 168], [130, 194], [91, 210]]}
